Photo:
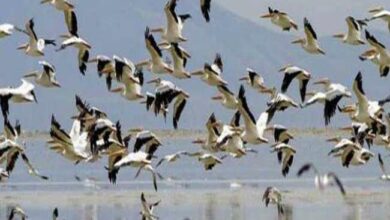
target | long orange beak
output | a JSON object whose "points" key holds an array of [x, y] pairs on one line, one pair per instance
{"points": [[266, 16]]}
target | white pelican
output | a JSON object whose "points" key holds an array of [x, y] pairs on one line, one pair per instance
{"points": [[309, 44], [83, 48], [322, 181], [36, 45], [175, 23], [17, 211], [380, 13], [209, 160], [11, 132], [3, 175], [280, 101], [61, 5], [280, 133], [105, 66], [255, 81], [209, 143], [378, 54], [156, 63], [285, 156], [7, 30], [45, 78], [356, 157], [230, 141], [147, 209], [280, 19], [170, 158], [71, 23], [205, 6], [131, 78], [227, 97], [353, 36], [180, 58], [166, 92], [291, 72], [21, 94], [330, 98], [211, 74], [272, 195], [254, 130], [385, 175]]}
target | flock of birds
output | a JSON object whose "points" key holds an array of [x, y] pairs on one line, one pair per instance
{"points": [[94, 136]]}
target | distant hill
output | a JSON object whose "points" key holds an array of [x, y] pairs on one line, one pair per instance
{"points": [[117, 28]]}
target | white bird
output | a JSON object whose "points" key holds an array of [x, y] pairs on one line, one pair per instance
{"points": [[180, 59], [205, 6], [285, 154], [309, 44], [353, 36], [211, 74], [272, 195], [23, 93], [280, 133], [45, 78], [322, 181], [17, 211], [230, 141], [175, 24], [254, 130], [209, 143], [280, 19], [226, 97], [147, 209], [255, 81], [131, 78], [105, 66], [3, 175], [380, 13], [378, 54], [209, 160], [36, 45], [11, 132], [280, 101], [291, 72], [61, 5], [8, 29], [170, 158], [156, 63], [385, 175], [83, 48]]}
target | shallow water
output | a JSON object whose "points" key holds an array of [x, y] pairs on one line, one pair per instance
{"points": [[232, 190]]}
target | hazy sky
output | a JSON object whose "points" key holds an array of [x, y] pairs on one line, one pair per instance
{"points": [[326, 15]]}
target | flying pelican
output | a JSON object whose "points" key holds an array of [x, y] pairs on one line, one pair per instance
{"points": [[46, 78], [175, 24], [147, 209], [205, 6], [227, 97], [255, 81], [254, 130], [131, 78], [17, 211], [230, 141], [105, 66], [322, 181], [272, 195], [291, 72], [155, 64], [309, 44], [170, 158], [21, 94], [3, 175], [280, 19], [384, 176], [36, 45], [208, 160], [378, 54], [180, 58], [11, 132], [7, 30], [211, 74], [280, 102], [209, 143], [61, 5], [166, 92], [285, 156], [83, 48], [353, 37], [380, 13], [280, 133]]}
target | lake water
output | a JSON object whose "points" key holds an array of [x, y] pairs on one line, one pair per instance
{"points": [[232, 190]]}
